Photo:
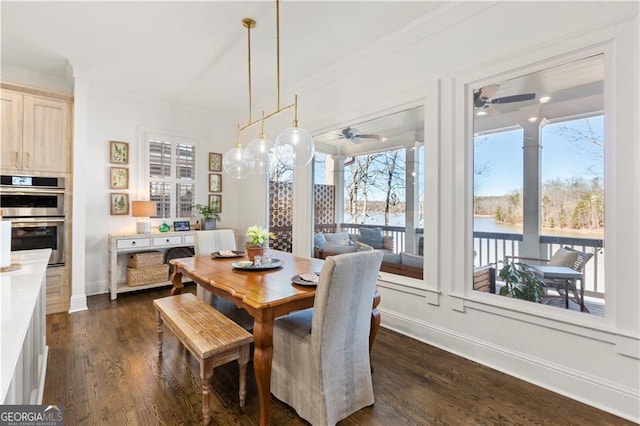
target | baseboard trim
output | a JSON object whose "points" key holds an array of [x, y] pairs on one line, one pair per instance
{"points": [[78, 303], [604, 395]]}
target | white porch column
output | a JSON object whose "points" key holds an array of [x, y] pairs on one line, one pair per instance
{"points": [[412, 198], [531, 190], [338, 182]]}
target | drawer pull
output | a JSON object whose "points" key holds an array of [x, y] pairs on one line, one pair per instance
{"points": [[167, 240], [133, 243]]}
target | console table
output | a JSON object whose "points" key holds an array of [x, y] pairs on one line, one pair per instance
{"points": [[120, 245]]}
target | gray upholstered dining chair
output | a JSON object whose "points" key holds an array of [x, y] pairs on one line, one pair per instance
{"points": [[321, 355], [206, 242]]}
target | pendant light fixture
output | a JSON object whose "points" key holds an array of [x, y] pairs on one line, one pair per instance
{"points": [[262, 150], [238, 162], [294, 146]]}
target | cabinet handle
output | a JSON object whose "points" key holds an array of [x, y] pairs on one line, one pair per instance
{"points": [[28, 160], [17, 159], [133, 243], [167, 240]]}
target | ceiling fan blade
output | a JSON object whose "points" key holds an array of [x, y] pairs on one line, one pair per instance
{"points": [[514, 98], [488, 92], [367, 136], [492, 111]]}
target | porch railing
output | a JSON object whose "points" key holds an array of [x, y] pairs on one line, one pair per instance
{"points": [[397, 232], [492, 247]]}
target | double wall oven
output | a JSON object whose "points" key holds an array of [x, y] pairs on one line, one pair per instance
{"points": [[36, 208]]}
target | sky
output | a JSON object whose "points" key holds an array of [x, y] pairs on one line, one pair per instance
{"points": [[562, 157], [501, 155]]}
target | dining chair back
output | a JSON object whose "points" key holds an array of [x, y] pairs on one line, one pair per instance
{"points": [[321, 355], [207, 242]]}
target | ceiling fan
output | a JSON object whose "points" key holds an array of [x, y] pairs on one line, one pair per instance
{"points": [[484, 98], [354, 135]]}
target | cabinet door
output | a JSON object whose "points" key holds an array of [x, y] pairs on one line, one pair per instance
{"points": [[58, 290], [11, 143], [46, 135]]}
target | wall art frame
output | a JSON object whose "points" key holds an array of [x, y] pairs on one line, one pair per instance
{"points": [[118, 152], [215, 201], [215, 182], [215, 162], [119, 202], [119, 178]]}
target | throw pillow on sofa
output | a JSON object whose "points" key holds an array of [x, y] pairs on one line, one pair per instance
{"points": [[319, 240], [387, 242], [371, 237], [412, 260], [338, 238], [339, 248]]}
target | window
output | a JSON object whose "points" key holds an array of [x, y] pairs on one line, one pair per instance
{"points": [[172, 176], [538, 185], [368, 186]]}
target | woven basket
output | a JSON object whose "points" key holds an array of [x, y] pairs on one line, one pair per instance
{"points": [[145, 259], [142, 276]]}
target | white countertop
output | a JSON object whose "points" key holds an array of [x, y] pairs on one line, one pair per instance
{"points": [[19, 292]]}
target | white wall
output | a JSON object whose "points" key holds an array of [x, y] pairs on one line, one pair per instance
{"points": [[124, 118], [593, 360]]}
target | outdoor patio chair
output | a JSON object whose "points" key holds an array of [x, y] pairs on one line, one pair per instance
{"points": [[564, 256]]}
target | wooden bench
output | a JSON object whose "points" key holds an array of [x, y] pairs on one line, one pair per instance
{"points": [[212, 338]]}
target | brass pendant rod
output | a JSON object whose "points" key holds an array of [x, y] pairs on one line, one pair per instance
{"points": [[249, 23], [295, 113], [262, 135], [278, 51], [271, 114], [238, 144]]}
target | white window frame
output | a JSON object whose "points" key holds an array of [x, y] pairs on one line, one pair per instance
{"points": [[144, 178]]}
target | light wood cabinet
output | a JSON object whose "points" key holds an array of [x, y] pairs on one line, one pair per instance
{"points": [[35, 134], [58, 297]]}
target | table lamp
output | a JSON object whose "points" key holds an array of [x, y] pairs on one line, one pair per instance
{"points": [[143, 210]]}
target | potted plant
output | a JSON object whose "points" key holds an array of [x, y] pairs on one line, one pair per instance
{"points": [[208, 214], [258, 241], [520, 283]]}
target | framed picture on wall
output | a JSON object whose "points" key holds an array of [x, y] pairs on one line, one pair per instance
{"points": [[119, 152], [215, 182], [215, 162], [215, 202], [119, 178], [119, 203]]}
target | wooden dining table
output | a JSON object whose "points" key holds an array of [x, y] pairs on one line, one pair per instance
{"points": [[265, 295]]}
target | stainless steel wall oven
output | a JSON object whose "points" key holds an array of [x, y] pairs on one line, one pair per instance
{"points": [[36, 208]]}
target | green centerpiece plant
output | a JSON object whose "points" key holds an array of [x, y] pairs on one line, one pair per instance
{"points": [[258, 241]]}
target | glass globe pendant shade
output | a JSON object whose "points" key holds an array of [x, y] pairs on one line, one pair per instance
{"points": [[238, 162], [261, 149], [294, 147]]}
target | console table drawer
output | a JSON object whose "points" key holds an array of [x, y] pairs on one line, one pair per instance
{"points": [[133, 243], [167, 241], [188, 239]]}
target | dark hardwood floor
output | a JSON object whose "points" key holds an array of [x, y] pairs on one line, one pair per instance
{"points": [[104, 369]]}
